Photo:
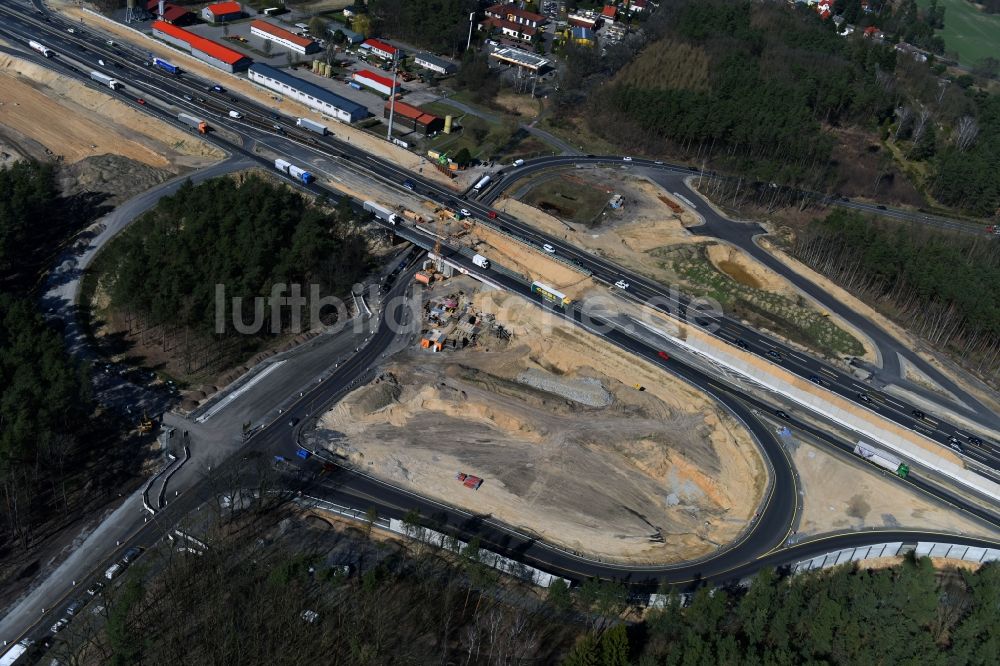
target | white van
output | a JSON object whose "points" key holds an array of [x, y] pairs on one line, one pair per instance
{"points": [[235, 114], [113, 571], [518, 163]]}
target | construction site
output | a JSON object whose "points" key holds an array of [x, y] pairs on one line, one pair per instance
{"points": [[483, 412]]}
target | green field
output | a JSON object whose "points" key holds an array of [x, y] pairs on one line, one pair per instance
{"points": [[968, 33]]}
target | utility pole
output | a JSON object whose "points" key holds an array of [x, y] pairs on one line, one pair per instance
{"points": [[392, 94], [472, 19]]}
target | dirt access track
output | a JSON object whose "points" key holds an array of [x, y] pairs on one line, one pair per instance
{"points": [[569, 448], [394, 154], [74, 121]]}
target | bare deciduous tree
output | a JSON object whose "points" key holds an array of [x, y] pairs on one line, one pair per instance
{"points": [[966, 132]]}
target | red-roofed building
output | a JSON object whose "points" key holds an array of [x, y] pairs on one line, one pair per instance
{"points": [[416, 119], [221, 12], [171, 13], [524, 33], [609, 13], [204, 49], [516, 15], [381, 49], [282, 37], [374, 81]]}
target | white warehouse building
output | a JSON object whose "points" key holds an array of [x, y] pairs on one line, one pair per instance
{"points": [[282, 37], [319, 99]]}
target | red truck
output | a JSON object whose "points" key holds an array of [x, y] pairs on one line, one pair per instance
{"points": [[469, 481]]}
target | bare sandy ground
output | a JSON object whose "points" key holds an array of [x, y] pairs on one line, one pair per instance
{"points": [[842, 496], [396, 154], [75, 122], [655, 476], [653, 219]]}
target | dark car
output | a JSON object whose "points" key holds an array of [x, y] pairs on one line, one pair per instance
{"points": [[742, 344], [216, 88], [975, 441], [128, 557], [880, 207], [864, 397], [409, 184], [774, 355], [75, 607], [95, 589], [293, 422], [782, 414], [917, 414], [816, 379]]}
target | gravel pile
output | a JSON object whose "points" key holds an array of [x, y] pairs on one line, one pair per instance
{"points": [[586, 390]]}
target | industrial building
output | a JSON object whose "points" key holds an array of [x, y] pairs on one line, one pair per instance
{"points": [[351, 36], [521, 58], [435, 64], [221, 12], [313, 96], [201, 48], [170, 13], [374, 81], [282, 37], [381, 49], [413, 118]]}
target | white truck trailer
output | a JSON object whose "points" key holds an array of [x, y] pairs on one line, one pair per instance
{"points": [[882, 458], [105, 80]]}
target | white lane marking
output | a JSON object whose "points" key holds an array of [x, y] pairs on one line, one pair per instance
{"points": [[225, 402]]}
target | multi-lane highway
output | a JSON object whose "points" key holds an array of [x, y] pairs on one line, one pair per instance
{"points": [[761, 545], [193, 94]]}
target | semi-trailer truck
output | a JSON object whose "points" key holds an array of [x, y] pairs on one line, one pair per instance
{"points": [[312, 126], [483, 182], [197, 123], [285, 166], [106, 80], [381, 212], [481, 261], [166, 66], [41, 48], [883, 459]]}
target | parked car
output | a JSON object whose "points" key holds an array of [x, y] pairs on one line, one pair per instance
{"points": [[75, 607], [128, 557], [60, 625], [95, 589]]}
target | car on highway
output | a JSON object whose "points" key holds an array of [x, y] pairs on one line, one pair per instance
{"points": [[816, 379], [880, 207], [216, 88], [188, 98], [781, 414], [548, 248], [918, 414], [865, 398], [128, 557], [409, 184], [664, 355], [774, 355], [75, 607], [95, 589], [621, 284], [626, 159], [293, 422], [491, 214], [465, 212], [954, 444], [975, 441], [60, 625], [742, 344], [658, 162], [140, 101]]}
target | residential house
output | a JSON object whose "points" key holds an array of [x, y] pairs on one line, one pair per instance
{"points": [[221, 12]]}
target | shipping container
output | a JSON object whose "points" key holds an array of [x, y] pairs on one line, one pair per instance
{"points": [[312, 126], [166, 66], [105, 80]]}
